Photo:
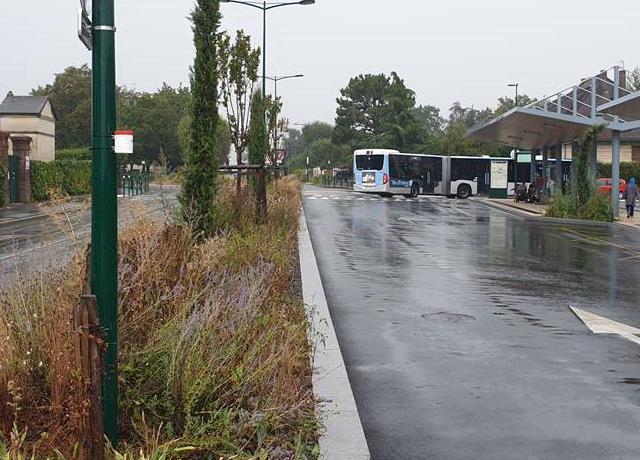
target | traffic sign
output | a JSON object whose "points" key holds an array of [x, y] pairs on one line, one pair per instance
{"points": [[84, 24]]}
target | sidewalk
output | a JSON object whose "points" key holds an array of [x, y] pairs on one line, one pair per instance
{"points": [[22, 212], [529, 208], [532, 211], [631, 222]]}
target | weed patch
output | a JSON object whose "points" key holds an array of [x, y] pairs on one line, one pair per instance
{"points": [[214, 356]]}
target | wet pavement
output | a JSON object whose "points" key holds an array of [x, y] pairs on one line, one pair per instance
{"points": [[40, 237], [455, 325]]}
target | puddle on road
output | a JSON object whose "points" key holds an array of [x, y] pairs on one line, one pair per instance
{"points": [[450, 317]]}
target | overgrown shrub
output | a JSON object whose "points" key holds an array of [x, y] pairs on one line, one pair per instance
{"points": [[582, 202], [67, 177], [598, 208], [3, 181], [74, 154], [214, 355], [627, 170]]}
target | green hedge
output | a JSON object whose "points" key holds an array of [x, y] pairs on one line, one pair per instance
{"points": [[627, 170], [74, 154], [69, 177], [3, 181]]}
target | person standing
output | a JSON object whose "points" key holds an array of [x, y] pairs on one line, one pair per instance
{"points": [[631, 194]]}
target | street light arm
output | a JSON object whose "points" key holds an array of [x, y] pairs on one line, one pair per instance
{"points": [[254, 5], [278, 5], [289, 76]]}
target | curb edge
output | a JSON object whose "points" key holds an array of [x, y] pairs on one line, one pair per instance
{"points": [[344, 436]]}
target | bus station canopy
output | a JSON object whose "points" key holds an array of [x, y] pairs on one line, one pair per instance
{"points": [[530, 128], [627, 107]]}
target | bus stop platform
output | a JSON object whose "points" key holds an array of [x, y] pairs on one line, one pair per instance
{"points": [[531, 209]]}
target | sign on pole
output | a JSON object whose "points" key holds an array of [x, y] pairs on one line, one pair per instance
{"points": [[84, 24]]}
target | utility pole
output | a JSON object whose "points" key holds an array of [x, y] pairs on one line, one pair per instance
{"points": [[515, 85], [104, 209]]}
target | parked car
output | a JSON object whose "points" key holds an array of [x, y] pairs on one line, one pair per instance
{"points": [[604, 186]]}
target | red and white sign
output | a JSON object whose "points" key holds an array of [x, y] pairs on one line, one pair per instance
{"points": [[123, 142]]}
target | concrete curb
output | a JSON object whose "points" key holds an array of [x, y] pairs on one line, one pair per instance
{"points": [[344, 437], [548, 220]]}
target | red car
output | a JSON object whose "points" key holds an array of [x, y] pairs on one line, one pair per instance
{"points": [[604, 186]]}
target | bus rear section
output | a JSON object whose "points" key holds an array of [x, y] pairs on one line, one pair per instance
{"points": [[371, 171]]}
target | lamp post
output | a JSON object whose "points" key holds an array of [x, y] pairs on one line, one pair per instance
{"points": [[264, 6], [515, 85], [97, 33], [275, 81]]}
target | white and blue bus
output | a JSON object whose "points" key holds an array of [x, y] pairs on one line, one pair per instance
{"points": [[389, 172]]}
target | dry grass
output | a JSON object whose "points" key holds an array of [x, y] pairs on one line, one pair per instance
{"points": [[214, 357]]}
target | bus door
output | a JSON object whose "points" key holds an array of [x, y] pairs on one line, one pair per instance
{"points": [[429, 183]]}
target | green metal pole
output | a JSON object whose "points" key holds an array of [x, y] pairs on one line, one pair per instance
{"points": [[104, 217], [264, 49]]}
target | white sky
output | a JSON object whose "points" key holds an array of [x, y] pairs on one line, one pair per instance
{"points": [[465, 50]]}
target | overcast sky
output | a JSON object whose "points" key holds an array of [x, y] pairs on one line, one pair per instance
{"points": [[446, 50]]}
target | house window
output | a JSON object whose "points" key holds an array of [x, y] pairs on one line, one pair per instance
{"points": [[635, 153]]}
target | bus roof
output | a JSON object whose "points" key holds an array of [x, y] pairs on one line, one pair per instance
{"points": [[374, 151]]}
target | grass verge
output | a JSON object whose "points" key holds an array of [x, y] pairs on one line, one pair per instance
{"points": [[214, 356]]}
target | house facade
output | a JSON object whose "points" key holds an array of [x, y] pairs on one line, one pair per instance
{"points": [[31, 116]]}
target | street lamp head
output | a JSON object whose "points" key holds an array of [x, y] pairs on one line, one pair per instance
{"points": [[306, 2]]}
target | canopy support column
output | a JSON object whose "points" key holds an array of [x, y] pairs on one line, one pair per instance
{"points": [[615, 174]]}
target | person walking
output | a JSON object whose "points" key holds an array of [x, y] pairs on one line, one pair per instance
{"points": [[631, 194]]}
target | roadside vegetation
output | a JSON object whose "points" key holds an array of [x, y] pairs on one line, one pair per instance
{"points": [[582, 202], [214, 357], [60, 178]]}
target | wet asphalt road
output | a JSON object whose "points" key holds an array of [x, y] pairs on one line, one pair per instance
{"points": [[37, 238], [454, 323]]}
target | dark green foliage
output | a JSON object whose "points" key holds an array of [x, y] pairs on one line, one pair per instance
{"points": [[3, 181], [154, 118], [582, 202], [199, 187], [70, 95], [315, 141], [598, 208], [76, 153], [627, 170], [376, 110], [258, 142], [224, 138], [582, 181], [67, 177]]}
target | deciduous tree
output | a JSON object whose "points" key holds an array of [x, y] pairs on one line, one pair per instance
{"points": [[258, 145], [70, 95], [238, 67]]}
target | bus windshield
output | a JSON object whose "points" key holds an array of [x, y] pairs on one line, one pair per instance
{"points": [[369, 162]]}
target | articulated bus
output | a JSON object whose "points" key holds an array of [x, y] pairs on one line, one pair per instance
{"points": [[389, 172]]}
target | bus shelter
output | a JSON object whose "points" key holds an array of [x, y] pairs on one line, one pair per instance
{"points": [[546, 126]]}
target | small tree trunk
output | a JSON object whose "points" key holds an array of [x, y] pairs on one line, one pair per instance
{"points": [[261, 193], [239, 173]]}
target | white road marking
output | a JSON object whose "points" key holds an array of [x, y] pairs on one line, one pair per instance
{"points": [[601, 325]]}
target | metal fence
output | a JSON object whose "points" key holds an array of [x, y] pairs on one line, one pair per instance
{"points": [[337, 181], [134, 183]]}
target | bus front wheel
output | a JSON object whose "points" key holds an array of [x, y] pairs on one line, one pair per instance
{"points": [[464, 191]]}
